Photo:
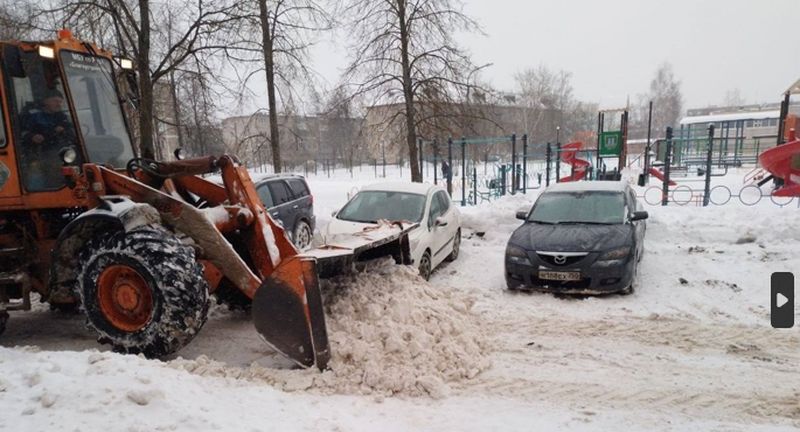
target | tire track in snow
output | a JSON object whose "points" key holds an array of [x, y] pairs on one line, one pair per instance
{"points": [[658, 330], [659, 363]]}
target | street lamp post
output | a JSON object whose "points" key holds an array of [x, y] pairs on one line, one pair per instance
{"points": [[558, 134]]}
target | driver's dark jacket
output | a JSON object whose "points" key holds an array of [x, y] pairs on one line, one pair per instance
{"points": [[42, 160], [45, 123]]}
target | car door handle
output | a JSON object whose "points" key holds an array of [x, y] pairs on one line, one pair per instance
{"points": [[295, 206]]}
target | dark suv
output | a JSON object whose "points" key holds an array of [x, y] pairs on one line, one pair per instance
{"points": [[288, 200]]}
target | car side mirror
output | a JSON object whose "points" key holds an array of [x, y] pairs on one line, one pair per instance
{"points": [[521, 215], [639, 215]]}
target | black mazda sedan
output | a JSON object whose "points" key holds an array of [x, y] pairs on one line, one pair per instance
{"points": [[579, 238]]}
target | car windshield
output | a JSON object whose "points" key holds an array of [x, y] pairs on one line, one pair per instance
{"points": [[372, 206], [586, 207]]}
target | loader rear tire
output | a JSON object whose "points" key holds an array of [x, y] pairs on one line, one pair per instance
{"points": [[142, 291]]}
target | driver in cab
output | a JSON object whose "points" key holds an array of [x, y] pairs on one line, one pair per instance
{"points": [[46, 132]]}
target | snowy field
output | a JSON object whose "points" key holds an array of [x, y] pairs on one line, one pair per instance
{"points": [[691, 349]]}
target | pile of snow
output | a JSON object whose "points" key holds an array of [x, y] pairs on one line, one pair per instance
{"points": [[391, 333]]}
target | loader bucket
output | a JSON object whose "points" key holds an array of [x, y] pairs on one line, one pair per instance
{"points": [[287, 308], [288, 314]]}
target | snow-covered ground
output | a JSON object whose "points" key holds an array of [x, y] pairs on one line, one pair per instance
{"points": [[691, 349]]}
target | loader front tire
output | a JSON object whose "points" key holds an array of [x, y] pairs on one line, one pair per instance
{"points": [[142, 291]]}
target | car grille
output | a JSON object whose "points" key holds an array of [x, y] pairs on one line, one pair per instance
{"points": [[560, 260]]}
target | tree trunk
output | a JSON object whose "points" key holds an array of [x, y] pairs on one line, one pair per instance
{"points": [[408, 95], [176, 109], [269, 66], [146, 113], [174, 94]]}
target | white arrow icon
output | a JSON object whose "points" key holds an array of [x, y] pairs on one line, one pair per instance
{"points": [[781, 300]]}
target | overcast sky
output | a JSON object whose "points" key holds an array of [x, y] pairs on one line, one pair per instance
{"points": [[613, 47]]}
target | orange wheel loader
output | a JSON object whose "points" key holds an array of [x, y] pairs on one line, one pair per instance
{"points": [[140, 245]]}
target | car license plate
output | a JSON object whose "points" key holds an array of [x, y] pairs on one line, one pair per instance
{"points": [[560, 276]]}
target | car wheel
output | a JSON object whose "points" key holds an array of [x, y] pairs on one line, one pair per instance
{"points": [[302, 235], [425, 266], [3, 320], [629, 290], [456, 247]]}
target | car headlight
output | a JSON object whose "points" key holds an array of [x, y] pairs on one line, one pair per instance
{"points": [[616, 254], [517, 255]]}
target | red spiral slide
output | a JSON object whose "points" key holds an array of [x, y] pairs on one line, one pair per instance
{"points": [[569, 155], [783, 161]]}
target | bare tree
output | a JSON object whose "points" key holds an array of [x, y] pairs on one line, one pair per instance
{"points": [[733, 98], [404, 48], [665, 92], [16, 18], [158, 39], [285, 29], [195, 110], [343, 127], [548, 103]]}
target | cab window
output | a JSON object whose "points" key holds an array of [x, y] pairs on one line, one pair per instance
{"points": [[94, 95], [42, 123]]}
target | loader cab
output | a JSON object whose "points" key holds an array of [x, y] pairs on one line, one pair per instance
{"points": [[61, 108]]}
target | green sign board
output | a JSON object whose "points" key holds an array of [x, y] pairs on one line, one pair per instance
{"points": [[610, 143]]}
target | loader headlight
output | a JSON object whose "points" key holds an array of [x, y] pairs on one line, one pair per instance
{"points": [[69, 156], [616, 254], [517, 255], [47, 52]]}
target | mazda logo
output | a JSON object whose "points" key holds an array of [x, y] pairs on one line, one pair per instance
{"points": [[560, 259]]}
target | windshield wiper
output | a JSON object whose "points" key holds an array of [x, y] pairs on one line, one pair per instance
{"points": [[585, 223], [359, 221], [544, 222]]}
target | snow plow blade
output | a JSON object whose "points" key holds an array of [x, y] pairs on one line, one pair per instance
{"points": [[288, 313], [287, 308]]}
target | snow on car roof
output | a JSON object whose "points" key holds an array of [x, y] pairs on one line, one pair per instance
{"points": [[264, 177], [408, 187], [588, 186]]}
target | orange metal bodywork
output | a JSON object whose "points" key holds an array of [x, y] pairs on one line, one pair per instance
{"points": [[190, 205]]}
